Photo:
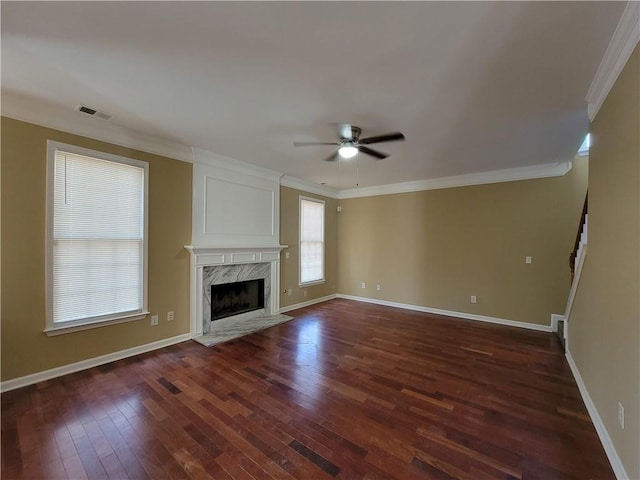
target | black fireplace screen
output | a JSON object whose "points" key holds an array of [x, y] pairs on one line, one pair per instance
{"points": [[238, 297]]}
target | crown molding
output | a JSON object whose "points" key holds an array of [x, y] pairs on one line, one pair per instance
{"points": [[293, 182], [623, 41], [51, 116], [495, 176], [47, 115], [206, 157]]}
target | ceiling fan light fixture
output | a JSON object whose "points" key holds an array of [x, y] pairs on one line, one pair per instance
{"points": [[350, 144], [347, 151]]}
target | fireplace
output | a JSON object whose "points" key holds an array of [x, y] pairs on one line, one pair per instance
{"points": [[218, 266], [228, 299], [235, 235]]}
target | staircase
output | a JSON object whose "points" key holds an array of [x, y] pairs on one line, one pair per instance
{"points": [[581, 239], [576, 260]]}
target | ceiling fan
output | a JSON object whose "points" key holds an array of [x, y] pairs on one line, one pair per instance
{"points": [[350, 143]]}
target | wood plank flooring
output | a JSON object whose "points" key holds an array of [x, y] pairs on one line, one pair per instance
{"points": [[347, 390]]}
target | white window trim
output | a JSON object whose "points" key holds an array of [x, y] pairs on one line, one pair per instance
{"points": [[77, 325], [324, 250]]}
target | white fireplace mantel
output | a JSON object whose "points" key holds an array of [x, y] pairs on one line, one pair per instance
{"points": [[207, 256], [216, 256]]}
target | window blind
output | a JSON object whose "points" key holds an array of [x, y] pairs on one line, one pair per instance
{"points": [[311, 240], [98, 238]]}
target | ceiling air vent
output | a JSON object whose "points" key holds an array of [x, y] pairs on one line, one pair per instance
{"points": [[93, 112]]}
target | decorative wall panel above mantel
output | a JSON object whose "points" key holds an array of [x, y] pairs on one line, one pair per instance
{"points": [[234, 205]]}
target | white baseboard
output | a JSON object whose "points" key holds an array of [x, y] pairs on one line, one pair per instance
{"points": [[307, 303], [605, 439], [89, 363], [449, 313], [555, 318]]}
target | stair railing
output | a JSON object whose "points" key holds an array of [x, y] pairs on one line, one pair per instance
{"points": [[576, 245]]}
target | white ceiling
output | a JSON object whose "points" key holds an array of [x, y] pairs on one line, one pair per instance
{"points": [[474, 86]]}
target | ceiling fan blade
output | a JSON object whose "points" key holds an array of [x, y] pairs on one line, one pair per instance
{"points": [[373, 153], [388, 137], [332, 158], [312, 144]]}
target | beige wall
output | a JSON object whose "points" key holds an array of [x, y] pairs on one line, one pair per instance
{"points": [[437, 248], [289, 235], [25, 348], [604, 326]]}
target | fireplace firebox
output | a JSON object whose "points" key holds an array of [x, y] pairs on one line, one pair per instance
{"points": [[229, 299]]}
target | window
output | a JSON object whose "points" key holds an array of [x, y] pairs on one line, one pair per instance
{"points": [[96, 238], [311, 241], [584, 148]]}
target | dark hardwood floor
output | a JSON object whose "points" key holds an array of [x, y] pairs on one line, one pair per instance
{"points": [[346, 390]]}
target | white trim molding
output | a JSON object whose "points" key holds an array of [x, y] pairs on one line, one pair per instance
{"points": [[90, 363], [605, 439], [555, 318], [449, 313], [303, 185], [32, 111], [624, 40], [308, 303], [220, 161], [496, 176], [52, 116], [419, 308]]}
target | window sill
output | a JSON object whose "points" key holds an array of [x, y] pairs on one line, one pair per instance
{"points": [[62, 329], [311, 284]]}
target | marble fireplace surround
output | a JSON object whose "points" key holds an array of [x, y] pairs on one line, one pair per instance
{"points": [[213, 266], [239, 272]]}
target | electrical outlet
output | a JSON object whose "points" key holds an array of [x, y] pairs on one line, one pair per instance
{"points": [[621, 415], [154, 320], [364, 285], [304, 293], [169, 316], [289, 291], [378, 287], [474, 299], [527, 260], [286, 254]]}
